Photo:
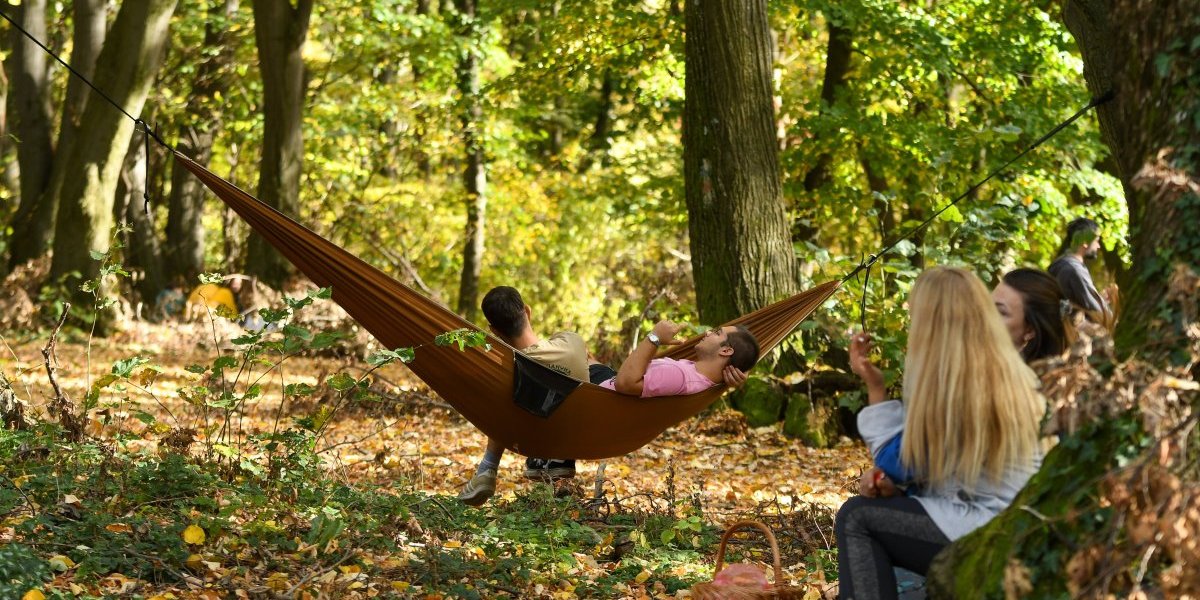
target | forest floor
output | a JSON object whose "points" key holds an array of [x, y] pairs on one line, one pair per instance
{"points": [[373, 514]]}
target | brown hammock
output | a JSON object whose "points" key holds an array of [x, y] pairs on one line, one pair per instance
{"points": [[592, 423]]}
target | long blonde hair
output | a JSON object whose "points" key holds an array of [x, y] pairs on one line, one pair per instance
{"points": [[972, 404]]}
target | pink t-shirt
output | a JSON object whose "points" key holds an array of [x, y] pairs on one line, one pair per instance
{"points": [[669, 377]]}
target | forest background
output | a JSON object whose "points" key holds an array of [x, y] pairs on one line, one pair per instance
{"points": [[460, 145]]}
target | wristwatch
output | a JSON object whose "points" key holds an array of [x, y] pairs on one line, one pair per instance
{"points": [[653, 339]]}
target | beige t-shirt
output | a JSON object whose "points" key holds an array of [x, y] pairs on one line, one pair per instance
{"points": [[564, 352]]}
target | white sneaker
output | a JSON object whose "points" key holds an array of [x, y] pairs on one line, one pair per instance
{"points": [[481, 487]]}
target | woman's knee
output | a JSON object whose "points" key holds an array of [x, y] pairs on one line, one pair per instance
{"points": [[849, 515]]}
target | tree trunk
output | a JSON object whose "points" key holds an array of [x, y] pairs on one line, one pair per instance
{"points": [[474, 172], [837, 65], [280, 30], [1140, 51], [185, 230], [599, 142], [29, 105], [742, 256], [85, 176], [141, 255]]}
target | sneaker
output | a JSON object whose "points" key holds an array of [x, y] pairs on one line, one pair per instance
{"points": [[481, 487], [549, 468]]}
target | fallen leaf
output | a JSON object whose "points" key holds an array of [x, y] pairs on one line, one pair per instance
{"points": [[193, 535]]}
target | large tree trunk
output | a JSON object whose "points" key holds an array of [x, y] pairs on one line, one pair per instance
{"points": [[1143, 52], [474, 172], [185, 230], [85, 176], [742, 256], [280, 30], [29, 106]]}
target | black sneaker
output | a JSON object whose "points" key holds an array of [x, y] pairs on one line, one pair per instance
{"points": [[549, 468]]}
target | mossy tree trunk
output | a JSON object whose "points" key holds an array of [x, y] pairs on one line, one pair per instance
{"points": [[85, 177], [280, 31], [1144, 53], [474, 168], [742, 255], [184, 246]]}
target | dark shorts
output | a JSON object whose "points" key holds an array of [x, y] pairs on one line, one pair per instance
{"points": [[598, 373]]}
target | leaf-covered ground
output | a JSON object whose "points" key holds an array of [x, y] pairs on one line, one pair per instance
{"points": [[367, 509]]}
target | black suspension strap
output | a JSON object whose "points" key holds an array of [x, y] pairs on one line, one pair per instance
{"points": [[866, 264]]}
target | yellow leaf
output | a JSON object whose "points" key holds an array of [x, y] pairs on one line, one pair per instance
{"points": [[194, 561], [350, 569], [193, 535], [453, 544], [400, 586], [643, 576], [118, 528], [59, 562], [34, 594]]}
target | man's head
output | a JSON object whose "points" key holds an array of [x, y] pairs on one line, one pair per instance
{"points": [[735, 343], [1083, 238], [505, 311]]}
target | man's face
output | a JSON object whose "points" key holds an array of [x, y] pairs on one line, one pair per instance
{"points": [[1092, 249], [714, 339]]}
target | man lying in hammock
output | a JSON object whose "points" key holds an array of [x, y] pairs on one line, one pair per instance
{"points": [[723, 354]]}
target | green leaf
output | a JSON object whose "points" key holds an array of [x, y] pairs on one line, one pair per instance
{"points": [[125, 367], [667, 535], [214, 278], [298, 389], [340, 382], [97, 255]]}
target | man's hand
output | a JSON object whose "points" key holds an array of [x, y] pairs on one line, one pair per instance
{"points": [[666, 330], [875, 484], [860, 363], [734, 377]]}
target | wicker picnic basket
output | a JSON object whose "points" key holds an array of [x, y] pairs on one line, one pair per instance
{"points": [[712, 591]]}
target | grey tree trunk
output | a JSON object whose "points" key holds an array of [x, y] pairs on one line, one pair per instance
{"points": [[280, 31], [141, 255], [85, 176], [742, 256], [474, 171], [30, 110], [185, 230]]}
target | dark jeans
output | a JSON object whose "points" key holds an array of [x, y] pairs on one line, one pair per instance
{"points": [[876, 534]]}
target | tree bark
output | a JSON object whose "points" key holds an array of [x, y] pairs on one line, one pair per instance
{"points": [[29, 106], [475, 170], [1138, 50], [1141, 52], [185, 209], [280, 31], [742, 255], [85, 178], [141, 255]]}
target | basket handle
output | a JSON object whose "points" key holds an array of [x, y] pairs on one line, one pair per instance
{"points": [[749, 524]]}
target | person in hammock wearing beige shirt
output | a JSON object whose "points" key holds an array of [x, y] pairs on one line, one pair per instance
{"points": [[509, 319]]}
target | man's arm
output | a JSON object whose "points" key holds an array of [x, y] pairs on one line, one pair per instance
{"points": [[632, 374]]}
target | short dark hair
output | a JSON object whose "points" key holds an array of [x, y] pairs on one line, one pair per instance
{"points": [[504, 310], [745, 348], [1043, 299], [1079, 231]]}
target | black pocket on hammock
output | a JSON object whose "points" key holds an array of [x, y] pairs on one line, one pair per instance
{"points": [[538, 388]]}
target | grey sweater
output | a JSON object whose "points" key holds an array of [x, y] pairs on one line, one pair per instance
{"points": [[1076, 283], [956, 511]]}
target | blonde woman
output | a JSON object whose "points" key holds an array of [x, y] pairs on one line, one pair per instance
{"points": [[969, 419]]}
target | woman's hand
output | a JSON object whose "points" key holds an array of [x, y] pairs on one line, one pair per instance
{"points": [[734, 377], [874, 483], [860, 363]]}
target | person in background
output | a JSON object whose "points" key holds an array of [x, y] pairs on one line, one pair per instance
{"points": [[1081, 244]]}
